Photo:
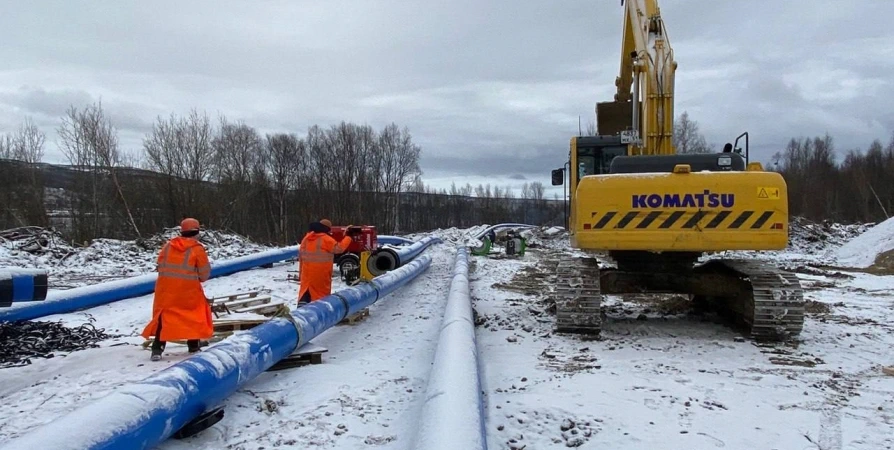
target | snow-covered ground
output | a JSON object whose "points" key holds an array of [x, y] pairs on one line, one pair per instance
{"points": [[863, 250], [658, 378]]}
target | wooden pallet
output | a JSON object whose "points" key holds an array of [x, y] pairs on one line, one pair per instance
{"points": [[231, 325], [355, 318], [309, 353], [236, 302], [243, 302]]}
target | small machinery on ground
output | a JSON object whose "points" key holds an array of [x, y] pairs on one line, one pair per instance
{"points": [[514, 244], [349, 261]]}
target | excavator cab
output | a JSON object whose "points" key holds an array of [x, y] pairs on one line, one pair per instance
{"points": [[593, 155]]}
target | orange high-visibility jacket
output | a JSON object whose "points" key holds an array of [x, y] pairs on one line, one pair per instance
{"points": [[179, 298], [315, 258]]}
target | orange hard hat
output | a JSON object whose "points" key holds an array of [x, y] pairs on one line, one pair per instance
{"points": [[326, 222], [189, 224]]}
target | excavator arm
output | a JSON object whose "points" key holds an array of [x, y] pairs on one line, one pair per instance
{"points": [[645, 86]]}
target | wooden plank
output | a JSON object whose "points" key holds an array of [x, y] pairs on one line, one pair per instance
{"points": [[355, 318], [308, 354], [240, 295], [310, 347], [242, 303], [236, 325], [263, 309]]}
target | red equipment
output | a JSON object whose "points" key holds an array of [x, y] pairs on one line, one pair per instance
{"points": [[349, 261], [366, 240]]}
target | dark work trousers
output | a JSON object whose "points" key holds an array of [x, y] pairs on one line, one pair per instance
{"points": [[158, 345], [304, 298]]}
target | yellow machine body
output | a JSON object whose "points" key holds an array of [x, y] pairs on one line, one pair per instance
{"points": [[689, 212], [365, 274]]}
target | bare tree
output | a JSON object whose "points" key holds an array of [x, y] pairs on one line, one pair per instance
{"points": [[591, 128], [286, 163], [537, 190], [22, 182], [29, 143], [687, 138], [90, 142], [400, 163], [181, 150], [237, 149]]}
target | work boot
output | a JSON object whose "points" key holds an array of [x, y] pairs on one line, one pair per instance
{"points": [[158, 347], [193, 346]]}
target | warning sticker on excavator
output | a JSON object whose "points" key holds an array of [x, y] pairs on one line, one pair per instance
{"points": [[768, 193]]}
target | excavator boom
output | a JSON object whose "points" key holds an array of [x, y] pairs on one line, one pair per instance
{"points": [[643, 108]]}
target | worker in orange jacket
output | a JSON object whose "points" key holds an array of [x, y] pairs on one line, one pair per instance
{"points": [[316, 255], [180, 310]]}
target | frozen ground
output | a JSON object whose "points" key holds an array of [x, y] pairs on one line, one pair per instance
{"points": [[661, 377]]}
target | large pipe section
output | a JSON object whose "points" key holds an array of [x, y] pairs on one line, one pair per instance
{"points": [[22, 285], [387, 259], [143, 414], [393, 240], [89, 296], [502, 225], [452, 415]]}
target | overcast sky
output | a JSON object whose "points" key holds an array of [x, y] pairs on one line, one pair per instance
{"points": [[491, 90]]}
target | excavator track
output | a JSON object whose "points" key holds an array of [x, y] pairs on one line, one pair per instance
{"points": [[774, 309], [769, 302], [578, 296]]}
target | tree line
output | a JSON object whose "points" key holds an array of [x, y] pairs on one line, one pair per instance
{"points": [[228, 175], [821, 186], [824, 183]]}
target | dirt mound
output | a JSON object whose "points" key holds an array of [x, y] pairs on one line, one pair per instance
{"points": [[884, 263], [817, 238]]}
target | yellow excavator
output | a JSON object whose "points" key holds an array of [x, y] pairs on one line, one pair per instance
{"points": [[656, 213]]}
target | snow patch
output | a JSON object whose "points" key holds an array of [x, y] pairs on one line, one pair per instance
{"points": [[863, 250], [71, 266]]}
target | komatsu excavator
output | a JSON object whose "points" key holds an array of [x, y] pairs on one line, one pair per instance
{"points": [[656, 212]]}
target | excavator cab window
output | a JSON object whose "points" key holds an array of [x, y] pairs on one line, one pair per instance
{"points": [[597, 160]]}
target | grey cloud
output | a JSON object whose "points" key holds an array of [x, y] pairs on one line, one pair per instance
{"points": [[486, 88], [39, 101]]}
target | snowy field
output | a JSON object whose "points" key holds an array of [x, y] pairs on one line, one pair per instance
{"points": [[659, 376]]}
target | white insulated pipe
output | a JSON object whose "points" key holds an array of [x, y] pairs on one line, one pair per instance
{"points": [[452, 415]]}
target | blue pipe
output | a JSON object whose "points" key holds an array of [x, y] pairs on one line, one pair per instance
{"points": [[406, 254], [22, 285], [393, 240], [100, 294], [143, 414], [387, 259]]}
